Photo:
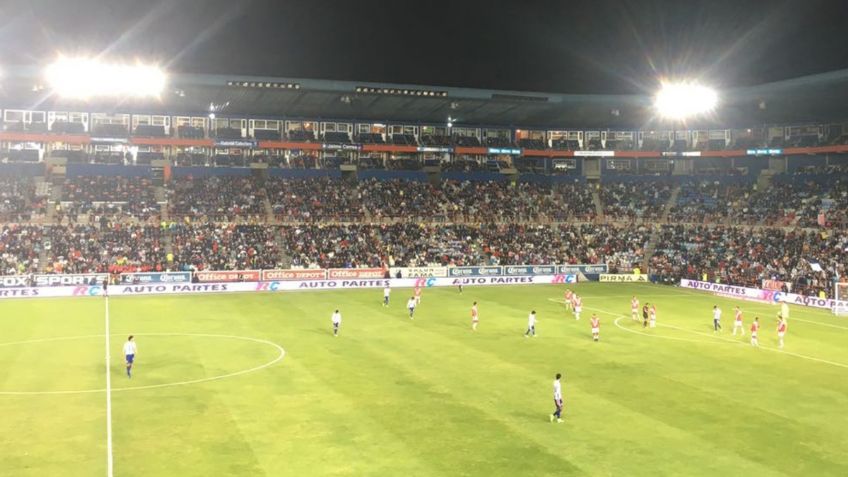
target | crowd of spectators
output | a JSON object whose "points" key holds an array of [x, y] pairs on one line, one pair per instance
{"points": [[746, 256], [20, 247], [98, 196], [643, 200], [224, 247], [799, 223], [217, 199], [18, 202], [409, 244], [335, 200], [313, 200], [114, 248]]}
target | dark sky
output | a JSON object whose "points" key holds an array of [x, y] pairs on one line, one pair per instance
{"points": [[566, 46]]}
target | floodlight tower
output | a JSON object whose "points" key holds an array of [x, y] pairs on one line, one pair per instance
{"points": [[680, 101]]}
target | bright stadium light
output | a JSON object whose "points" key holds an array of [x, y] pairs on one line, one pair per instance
{"points": [[684, 100], [83, 78]]}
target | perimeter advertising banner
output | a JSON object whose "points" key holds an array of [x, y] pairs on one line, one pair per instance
{"points": [[356, 273], [228, 276], [155, 277], [305, 274], [278, 286], [530, 270], [623, 278], [474, 271], [74, 279], [768, 296], [418, 272], [586, 269]]}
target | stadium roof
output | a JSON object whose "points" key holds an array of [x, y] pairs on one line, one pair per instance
{"points": [[816, 98]]}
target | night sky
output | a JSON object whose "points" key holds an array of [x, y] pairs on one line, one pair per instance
{"points": [[567, 46]]}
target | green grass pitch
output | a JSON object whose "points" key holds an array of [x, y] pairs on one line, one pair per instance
{"points": [[397, 397]]}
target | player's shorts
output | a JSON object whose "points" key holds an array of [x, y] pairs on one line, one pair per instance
{"points": [[753, 334], [780, 334], [596, 330], [578, 309], [335, 325], [130, 358], [652, 324], [475, 320], [558, 402], [737, 323]]}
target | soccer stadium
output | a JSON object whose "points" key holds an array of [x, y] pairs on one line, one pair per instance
{"points": [[234, 270]]}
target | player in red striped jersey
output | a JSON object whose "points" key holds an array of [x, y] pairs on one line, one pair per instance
{"points": [[569, 296], [737, 323], [474, 317], [781, 330], [417, 295], [755, 327], [596, 327], [578, 306], [652, 316]]}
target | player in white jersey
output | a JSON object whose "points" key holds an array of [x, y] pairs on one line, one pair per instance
{"points": [[130, 350], [716, 319], [410, 304], [557, 399], [784, 311], [737, 322], [652, 316], [531, 325], [634, 308], [475, 318], [337, 322], [386, 292]]}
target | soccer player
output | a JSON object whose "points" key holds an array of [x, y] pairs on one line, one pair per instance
{"points": [[569, 295], [337, 321], [531, 325], [578, 306], [557, 399], [716, 319], [106, 286], [781, 330], [784, 311], [460, 288], [410, 304], [596, 327], [130, 350], [755, 327], [737, 322], [652, 316], [645, 315], [634, 308], [474, 317], [417, 295], [386, 292]]}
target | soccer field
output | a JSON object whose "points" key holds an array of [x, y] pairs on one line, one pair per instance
{"points": [[213, 393]]}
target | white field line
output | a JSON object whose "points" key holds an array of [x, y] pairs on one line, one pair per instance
{"points": [[277, 359], [109, 457], [726, 340]]}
